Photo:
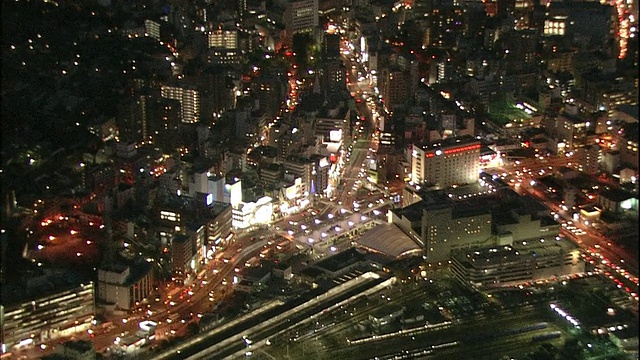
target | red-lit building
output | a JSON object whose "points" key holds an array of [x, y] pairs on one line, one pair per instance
{"points": [[453, 161]]}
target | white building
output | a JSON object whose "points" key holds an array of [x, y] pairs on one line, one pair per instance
{"points": [[450, 162], [233, 193], [256, 213]]}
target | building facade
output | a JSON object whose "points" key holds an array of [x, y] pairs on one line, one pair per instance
{"points": [[123, 287], [301, 16], [518, 264], [49, 317], [447, 163], [189, 99], [444, 226]]}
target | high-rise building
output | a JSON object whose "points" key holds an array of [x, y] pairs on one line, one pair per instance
{"points": [[332, 74], [301, 16], [189, 99], [183, 251], [454, 161], [394, 87], [165, 132], [332, 46], [588, 159], [218, 93], [152, 29], [443, 225]]}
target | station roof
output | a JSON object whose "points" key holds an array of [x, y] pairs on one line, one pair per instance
{"points": [[389, 240]]}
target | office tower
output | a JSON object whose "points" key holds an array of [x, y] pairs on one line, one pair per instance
{"points": [[587, 159], [332, 46], [301, 17], [332, 74]]}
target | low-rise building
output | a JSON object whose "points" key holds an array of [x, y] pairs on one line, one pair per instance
{"points": [[253, 278], [520, 225], [49, 308], [617, 200], [77, 350], [341, 263], [522, 262]]}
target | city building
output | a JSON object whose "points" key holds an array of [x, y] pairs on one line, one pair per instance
{"points": [[183, 255], [270, 174], [201, 227], [218, 227], [394, 87], [123, 287], [249, 214], [590, 24], [453, 161], [219, 91], [332, 74], [62, 312], [617, 201], [588, 159], [189, 98], [342, 263], [223, 39], [301, 16], [332, 122], [253, 278], [570, 130], [313, 171], [628, 146], [152, 29], [520, 263], [442, 226], [515, 224], [463, 218]]}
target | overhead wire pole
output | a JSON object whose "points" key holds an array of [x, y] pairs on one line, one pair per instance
{"points": [[268, 355]]}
